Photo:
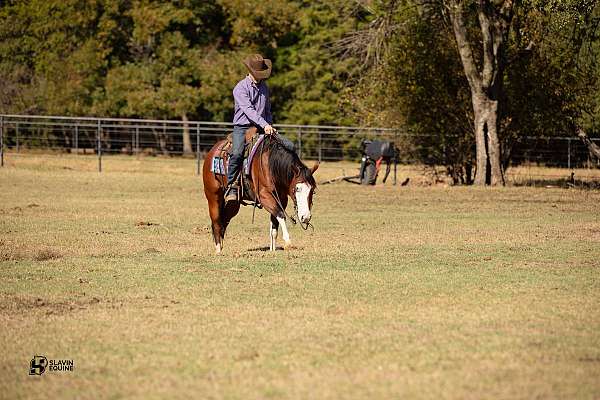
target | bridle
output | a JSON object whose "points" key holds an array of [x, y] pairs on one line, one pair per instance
{"points": [[302, 224]]}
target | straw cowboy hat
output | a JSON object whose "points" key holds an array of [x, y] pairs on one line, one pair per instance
{"points": [[259, 67]]}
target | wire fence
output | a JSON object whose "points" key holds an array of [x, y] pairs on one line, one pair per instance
{"points": [[101, 136]]}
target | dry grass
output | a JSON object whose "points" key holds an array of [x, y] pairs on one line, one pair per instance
{"points": [[417, 291]]}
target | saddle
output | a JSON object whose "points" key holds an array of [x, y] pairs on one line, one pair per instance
{"points": [[252, 139]]}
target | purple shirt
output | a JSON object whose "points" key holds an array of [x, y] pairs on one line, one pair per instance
{"points": [[252, 105]]}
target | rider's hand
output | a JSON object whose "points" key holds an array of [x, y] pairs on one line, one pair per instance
{"points": [[269, 130]]}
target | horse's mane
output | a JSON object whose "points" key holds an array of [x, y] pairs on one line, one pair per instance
{"points": [[284, 164]]}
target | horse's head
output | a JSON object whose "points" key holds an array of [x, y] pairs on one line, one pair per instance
{"points": [[305, 186]]}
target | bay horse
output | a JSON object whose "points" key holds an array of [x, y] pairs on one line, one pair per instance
{"points": [[276, 173]]}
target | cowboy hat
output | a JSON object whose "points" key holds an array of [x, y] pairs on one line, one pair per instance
{"points": [[259, 67]]}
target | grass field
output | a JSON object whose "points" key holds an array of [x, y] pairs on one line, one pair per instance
{"points": [[400, 292]]}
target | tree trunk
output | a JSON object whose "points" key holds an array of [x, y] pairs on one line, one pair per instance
{"points": [[592, 147], [187, 141], [486, 85], [487, 143], [161, 140]]}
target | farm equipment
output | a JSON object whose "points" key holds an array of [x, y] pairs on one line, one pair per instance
{"points": [[374, 153]]}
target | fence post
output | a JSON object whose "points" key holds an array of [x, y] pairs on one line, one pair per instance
{"points": [[197, 149], [320, 145], [76, 139], [99, 146], [137, 140], [1, 141], [17, 131], [569, 157], [396, 154]]}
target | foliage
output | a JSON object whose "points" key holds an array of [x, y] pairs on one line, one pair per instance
{"points": [[181, 59], [159, 59], [551, 81]]}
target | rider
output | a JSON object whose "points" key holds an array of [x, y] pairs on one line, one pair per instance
{"points": [[252, 108]]}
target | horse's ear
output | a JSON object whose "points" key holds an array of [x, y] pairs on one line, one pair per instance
{"points": [[314, 168]]}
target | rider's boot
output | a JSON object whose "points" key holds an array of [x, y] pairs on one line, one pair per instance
{"points": [[231, 195]]}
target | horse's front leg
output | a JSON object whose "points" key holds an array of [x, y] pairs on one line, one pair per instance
{"points": [[273, 233], [284, 232]]}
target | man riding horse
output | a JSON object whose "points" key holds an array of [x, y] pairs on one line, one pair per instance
{"points": [[252, 108]]}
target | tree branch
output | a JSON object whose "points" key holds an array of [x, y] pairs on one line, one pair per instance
{"points": [[464, 48], [485, 14]]}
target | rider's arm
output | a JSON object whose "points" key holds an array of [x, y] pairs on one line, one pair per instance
{"points": [[243, 100]]}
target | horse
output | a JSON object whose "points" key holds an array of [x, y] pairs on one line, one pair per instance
{"points": [[276, 173]]}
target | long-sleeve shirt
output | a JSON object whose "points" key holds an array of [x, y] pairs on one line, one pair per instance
{"points": [[252, 104]]}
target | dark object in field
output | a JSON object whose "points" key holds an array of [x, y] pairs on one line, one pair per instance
{"points": [[374, 153]]}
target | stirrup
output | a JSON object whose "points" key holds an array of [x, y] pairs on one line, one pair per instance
{"points": [[232, 193]]}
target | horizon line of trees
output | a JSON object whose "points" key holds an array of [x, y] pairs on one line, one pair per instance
{"points": [[479, 74]]}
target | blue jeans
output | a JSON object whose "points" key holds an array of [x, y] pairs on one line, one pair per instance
{"points": [[237, 152], [236, 160]]}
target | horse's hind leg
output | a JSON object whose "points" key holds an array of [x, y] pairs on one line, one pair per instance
{"points": [[273, 233], [218, 230], [221, 215]]}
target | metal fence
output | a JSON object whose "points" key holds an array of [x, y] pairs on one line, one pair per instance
{"points": [[100, 136]]}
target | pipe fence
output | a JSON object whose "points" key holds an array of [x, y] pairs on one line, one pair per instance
{"points": [[102, 136]]}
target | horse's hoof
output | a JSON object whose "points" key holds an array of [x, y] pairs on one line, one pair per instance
{"points": [[218, 249], [288, 246]]}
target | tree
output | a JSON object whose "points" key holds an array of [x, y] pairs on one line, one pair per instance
{"points": [[161, 79], [486, 82], [412, 80]]}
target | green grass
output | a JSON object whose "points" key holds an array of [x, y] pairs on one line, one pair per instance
{"points": [[400, 292]]}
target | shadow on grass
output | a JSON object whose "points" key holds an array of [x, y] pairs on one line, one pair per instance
{"points": [[263, 248]]}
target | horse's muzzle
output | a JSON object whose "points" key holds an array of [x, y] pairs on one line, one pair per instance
{"points": [[305, 219]]}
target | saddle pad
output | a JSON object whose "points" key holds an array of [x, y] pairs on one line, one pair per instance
{"points": [[248, 161], [218, 166]]}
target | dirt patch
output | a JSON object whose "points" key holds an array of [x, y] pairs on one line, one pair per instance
{"points": [[16, 305], [200, 230], [146, 223], [12, 211], [46, 254], [17, 210], [9, 252]]}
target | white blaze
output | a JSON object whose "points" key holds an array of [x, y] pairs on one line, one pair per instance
{"points": [[302, 192]]}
